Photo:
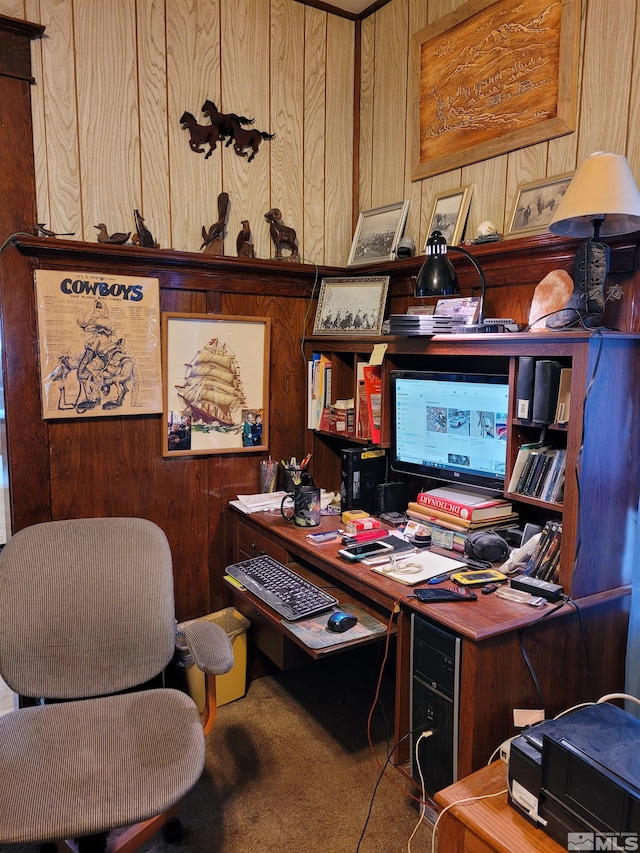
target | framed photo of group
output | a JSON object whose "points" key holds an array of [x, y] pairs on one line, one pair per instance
{"points": [[216, 384]]}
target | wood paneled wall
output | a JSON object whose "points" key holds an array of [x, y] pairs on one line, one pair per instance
{"points": [[113, 79], [608, 101]]}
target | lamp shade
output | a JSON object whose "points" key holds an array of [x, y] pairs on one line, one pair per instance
{"points": [[602, 186]]}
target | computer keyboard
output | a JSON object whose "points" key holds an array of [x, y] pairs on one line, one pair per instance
{"points": [[287, 593]]}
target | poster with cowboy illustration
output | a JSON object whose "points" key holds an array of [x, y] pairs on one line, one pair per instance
{"points": [[99, 344]]}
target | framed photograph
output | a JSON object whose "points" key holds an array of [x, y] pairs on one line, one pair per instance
{"points": [[216, 384], [351, 306], [535, 204], [449, 214], [489, 78], [377, 234]]}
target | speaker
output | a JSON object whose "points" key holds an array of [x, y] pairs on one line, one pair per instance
{"points": [[391, 497]]}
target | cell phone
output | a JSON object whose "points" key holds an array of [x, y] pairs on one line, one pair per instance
{"points": [[364, 549]]}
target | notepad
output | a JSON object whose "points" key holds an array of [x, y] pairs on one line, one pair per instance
{"points": [[417, 568]]}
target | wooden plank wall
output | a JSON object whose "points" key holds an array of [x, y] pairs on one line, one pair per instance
{"points": [[608, 100], [114, 78], [108, 138]]}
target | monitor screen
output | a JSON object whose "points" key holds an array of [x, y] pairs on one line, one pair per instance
{"points": [[450, 426]]}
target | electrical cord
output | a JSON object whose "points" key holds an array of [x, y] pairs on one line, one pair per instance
{"points": [[422, 786], [461, 803], [310, 303]]}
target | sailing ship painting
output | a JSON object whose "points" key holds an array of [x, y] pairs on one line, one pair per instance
{"points": [[217, 383], [212, 389]]}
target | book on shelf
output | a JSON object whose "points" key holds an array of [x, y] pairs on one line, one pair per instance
{"points": [[363, 425], [464, 503], [545, 558], [373, 386], [564, 397], [546, 383], [543, 391], [455, 522], [319, 390], [539, 472]]}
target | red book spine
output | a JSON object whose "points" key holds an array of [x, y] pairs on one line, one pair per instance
{"points": [[445, 505]]}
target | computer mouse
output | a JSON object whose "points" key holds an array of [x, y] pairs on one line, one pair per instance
{"points": [[340, 622]]}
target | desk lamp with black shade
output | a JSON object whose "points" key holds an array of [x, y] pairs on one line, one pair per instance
{"points": [[601, 200], [437, 276]]}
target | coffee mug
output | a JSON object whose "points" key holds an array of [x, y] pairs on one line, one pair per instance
{"points": [[304, 507]]}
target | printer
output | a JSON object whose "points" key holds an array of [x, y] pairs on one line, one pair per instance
{"points": [[580, 773]]}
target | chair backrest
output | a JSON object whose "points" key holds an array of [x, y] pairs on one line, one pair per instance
{"points": [[86, 607]]}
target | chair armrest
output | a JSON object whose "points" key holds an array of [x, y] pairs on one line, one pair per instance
{"points": [[209, 646]]}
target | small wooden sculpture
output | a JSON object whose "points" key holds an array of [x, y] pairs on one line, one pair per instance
{"points": [[282, 235], [244, 245], [143, 237], [213, 239], [230, 125], [117, 237], [225, 122], [201, 134], [41, 231]]}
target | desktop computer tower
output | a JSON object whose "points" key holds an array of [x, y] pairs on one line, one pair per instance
{"points": [[435, 703]]}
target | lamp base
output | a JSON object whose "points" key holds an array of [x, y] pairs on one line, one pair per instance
{"points": [[586, 303]]}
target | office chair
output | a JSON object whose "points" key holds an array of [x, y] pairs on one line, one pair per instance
{"points": [[86, 619]]}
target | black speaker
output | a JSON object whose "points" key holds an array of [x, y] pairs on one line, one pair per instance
{"points": [[391, 497]]}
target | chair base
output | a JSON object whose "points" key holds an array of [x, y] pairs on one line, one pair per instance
{"points": [[127, 842]]}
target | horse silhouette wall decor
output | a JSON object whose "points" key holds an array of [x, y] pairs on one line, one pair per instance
{"points": [[234, 129], [201, 134]]}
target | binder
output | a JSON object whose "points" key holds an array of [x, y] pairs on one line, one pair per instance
{"points": [[545, 390], [564, 397], [524, 387]]}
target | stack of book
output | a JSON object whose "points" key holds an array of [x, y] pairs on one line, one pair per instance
{"points": [[448, 315], [544, 562], [453, 512], [539, 472]]}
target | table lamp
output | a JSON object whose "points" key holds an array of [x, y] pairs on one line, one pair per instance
{"points": [[437, 276], [601, 200]]}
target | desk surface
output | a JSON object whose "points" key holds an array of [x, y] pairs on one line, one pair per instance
{"points": [[488, 616], [499, 826]]}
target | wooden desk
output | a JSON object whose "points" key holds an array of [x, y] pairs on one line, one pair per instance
{"points": [[490, 825], [495, 678]]}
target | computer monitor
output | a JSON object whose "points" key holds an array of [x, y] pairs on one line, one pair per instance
{"points": [[450, 426]]}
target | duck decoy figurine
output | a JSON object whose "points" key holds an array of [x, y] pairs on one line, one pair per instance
{"points": [[117, 237]]}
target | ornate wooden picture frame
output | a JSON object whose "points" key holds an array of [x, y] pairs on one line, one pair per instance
{"points": [[492, 77], [216, 384]]}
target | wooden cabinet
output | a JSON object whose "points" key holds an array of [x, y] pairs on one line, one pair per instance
{"points": [[601, 437]]}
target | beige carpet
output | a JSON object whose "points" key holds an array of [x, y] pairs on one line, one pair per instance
{"points": [[289, 769]]}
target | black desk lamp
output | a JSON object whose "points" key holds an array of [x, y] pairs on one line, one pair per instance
{"points": [[601, 200], [437, 276]]}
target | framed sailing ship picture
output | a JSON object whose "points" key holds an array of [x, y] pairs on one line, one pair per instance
{"points": [[216, 384]]}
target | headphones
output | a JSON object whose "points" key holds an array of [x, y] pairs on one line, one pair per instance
{"points": [[487, 546]]}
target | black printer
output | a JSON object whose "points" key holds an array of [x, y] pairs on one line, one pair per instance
{"points": [[580, 773]]}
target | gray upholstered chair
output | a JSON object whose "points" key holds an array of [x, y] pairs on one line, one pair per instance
{"points": [[86, 617]]}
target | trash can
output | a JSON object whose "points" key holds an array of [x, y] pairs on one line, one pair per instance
{"points": [[233, 684]]}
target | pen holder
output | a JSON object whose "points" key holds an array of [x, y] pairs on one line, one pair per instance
{"points": [[292, 479]]}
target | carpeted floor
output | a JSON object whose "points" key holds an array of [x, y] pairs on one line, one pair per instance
{"points": [[289, 768]]}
